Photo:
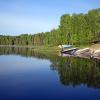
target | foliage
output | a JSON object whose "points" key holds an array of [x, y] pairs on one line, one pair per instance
{"points": [[75, 29]]}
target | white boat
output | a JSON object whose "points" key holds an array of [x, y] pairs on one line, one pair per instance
{"points": [[65, 46]]}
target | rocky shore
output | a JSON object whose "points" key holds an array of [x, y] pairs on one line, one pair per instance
{"points": [[91, 52]]}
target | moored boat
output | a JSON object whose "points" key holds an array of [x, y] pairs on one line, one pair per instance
{"points": [[69, 51]]}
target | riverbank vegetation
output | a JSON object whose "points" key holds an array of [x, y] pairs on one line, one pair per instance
{"points": [[75, 29]]}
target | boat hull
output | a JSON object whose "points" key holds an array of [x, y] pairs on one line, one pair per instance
{"points": [[71, 52]]}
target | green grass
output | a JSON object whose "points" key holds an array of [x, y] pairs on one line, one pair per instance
{"points": [[48, 49]]}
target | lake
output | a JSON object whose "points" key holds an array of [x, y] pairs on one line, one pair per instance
{"points": [[30, 75]]}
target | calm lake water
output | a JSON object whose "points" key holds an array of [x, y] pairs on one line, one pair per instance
{"points": [[30, 75]]}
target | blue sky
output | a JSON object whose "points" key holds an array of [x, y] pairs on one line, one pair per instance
{"points": [[33, 16]]}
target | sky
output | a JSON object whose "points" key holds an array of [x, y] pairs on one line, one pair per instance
{"points": [[34, 16]]}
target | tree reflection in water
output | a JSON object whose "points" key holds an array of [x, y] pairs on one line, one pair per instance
{"points": [[72, 71]]}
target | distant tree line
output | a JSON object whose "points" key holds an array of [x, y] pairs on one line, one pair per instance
{"points": [[74, 29]]}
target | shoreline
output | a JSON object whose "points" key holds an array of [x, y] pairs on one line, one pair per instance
{"points": [[19, 46], [92, 51]]}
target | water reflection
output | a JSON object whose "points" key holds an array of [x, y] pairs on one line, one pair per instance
{"points": [[72, 71], [76, 71]]}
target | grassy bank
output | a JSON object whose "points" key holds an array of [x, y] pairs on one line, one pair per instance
{"points": [[51, 49]]}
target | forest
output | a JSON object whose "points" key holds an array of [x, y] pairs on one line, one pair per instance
{"points": [[75, 29]]}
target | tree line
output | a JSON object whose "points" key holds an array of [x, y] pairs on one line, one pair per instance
{"points": [[74, 29]]}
